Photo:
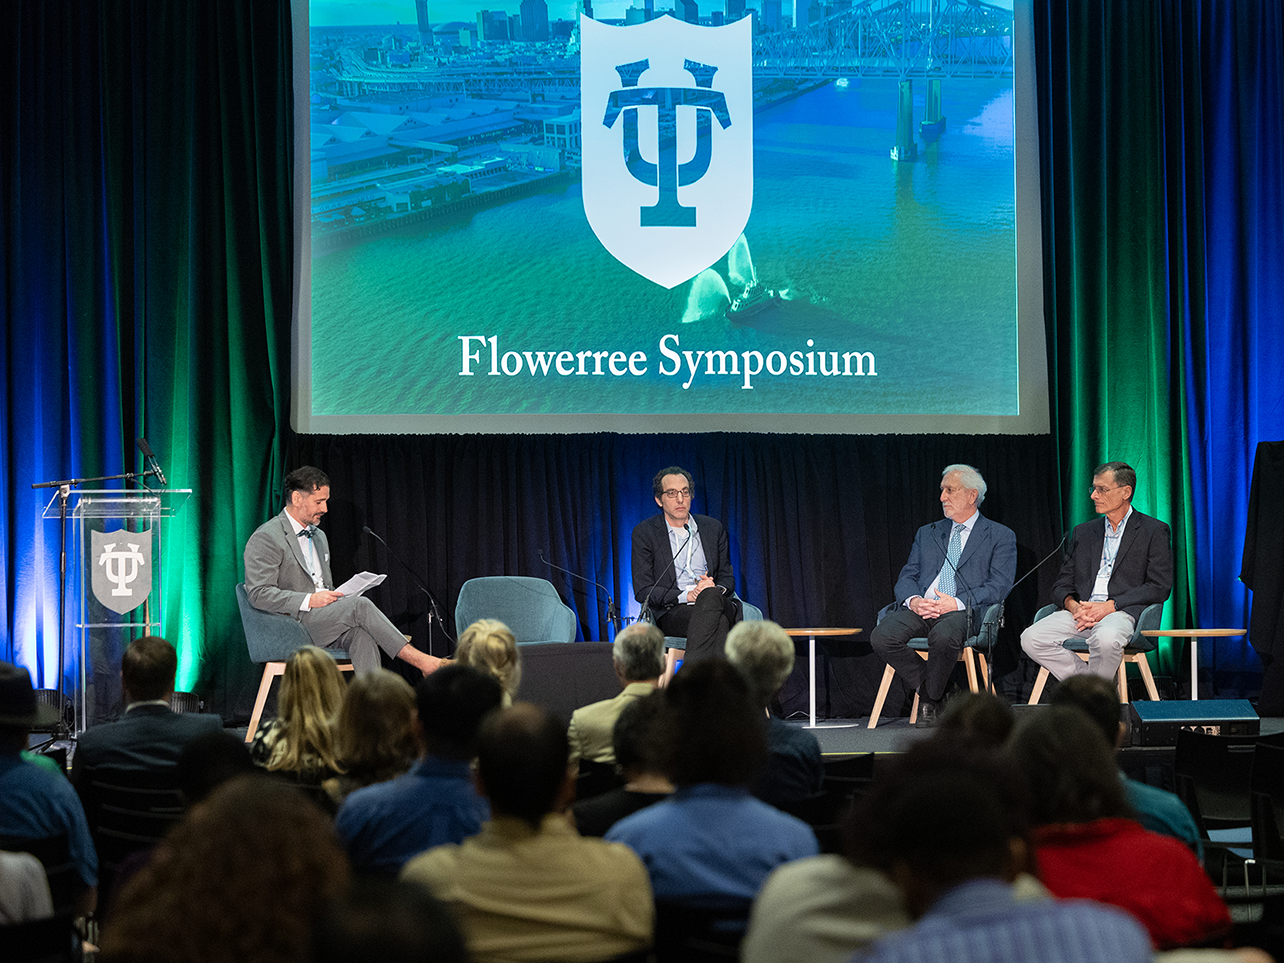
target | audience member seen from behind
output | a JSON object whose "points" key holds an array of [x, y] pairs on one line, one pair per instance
{"points": [[150, 736], [638, 657], [237, 881], [529, 887], [956, 875], [764, 654], [489, 646], [387, 823], [205, 763], [1157, 810], [375, 736], [712, 840], [389, 922], [300, 743], [636, 752], [981, 717], [36, 803], [1088, 845]]}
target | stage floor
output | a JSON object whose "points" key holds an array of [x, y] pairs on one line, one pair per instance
{"points": [[893, 735]]}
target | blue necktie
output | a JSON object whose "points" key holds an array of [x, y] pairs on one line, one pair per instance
{"points": [[945, 584]]}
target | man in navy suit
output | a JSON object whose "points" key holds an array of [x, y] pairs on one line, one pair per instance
{"points": [[150, 735], [682, 566], [957, 568], [1116, 567]]}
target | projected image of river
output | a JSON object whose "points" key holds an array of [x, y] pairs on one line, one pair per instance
{"points": [[874, 286]]}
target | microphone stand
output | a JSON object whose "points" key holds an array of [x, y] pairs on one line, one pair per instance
{"points": [[434, 610], [612, 614], [644, 615]]}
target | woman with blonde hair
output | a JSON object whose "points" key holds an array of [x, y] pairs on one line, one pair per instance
{"points": [[488, 645], [375, 738], [300, 742]]}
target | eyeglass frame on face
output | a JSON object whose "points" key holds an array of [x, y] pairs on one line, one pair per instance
{"points": [[675, 492], [1098, 490]]}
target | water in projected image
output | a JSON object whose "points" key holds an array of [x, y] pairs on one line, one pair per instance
{"points": [[913, 262]]}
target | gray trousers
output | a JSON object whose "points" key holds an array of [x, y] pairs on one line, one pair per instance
{"points": [[1106, 641], [356, 624]]}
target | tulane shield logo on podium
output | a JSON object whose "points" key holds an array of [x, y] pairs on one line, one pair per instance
{"points": [[121, 563], [666, 112]]}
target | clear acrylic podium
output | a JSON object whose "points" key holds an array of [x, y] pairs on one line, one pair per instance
{"points": [[117, 577]]}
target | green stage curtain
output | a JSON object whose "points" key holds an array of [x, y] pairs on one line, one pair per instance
{"points": [[146, 287], [1160, 146]]}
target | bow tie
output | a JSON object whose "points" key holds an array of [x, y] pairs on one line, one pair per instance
{"points": [[308, 532]]}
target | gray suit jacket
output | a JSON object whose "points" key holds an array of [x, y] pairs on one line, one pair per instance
{"points": [[276, 574]]}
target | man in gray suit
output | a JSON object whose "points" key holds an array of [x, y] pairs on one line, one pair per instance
{"points": [[287, 571], [957, 567]]}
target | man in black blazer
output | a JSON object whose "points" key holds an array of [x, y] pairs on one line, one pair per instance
{"points": [[682, 568], [943, 598], [150, 735], [287, 570], [1116, 567]]}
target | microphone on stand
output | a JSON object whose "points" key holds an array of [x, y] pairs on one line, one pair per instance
{"points": [[1073, 545], [150, 458], [434, 609], [645, 614], [612, 615]]}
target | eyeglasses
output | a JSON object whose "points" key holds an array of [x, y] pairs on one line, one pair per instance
{"points": [[675, 492], [953, 489], [1102, 490]]}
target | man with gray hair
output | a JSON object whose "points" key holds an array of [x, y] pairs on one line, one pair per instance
{"points": [[957, 568], [764, 654], [638, 655]]}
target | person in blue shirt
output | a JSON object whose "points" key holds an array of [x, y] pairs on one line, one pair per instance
{"points": [[384, 825], [34, 802], [711, 841]]}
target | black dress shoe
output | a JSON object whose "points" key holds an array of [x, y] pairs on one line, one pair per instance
{"points": [[926, 715]]}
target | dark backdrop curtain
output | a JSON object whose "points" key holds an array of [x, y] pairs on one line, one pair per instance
{"points": [[145, 282], [145, 158], [1162, 165], [819, 525]]}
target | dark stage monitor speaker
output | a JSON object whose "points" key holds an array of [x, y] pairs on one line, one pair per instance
{"points": [[1157, 723]]}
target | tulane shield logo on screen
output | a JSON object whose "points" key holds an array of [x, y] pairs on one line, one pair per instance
{"points": [[667, 127]]}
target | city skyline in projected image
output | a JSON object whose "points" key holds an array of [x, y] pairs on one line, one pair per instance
{"points": [[454, 270]]}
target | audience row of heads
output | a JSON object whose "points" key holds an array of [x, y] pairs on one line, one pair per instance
{"points": [[963, 803]]}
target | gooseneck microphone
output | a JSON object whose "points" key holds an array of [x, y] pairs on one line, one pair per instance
{"points": [[611, 614], [645, 614], [434, 610], [150, 458], [1073, 545]]}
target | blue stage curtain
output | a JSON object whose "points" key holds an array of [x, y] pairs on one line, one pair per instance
{"points": [[145, 283], [1162, 165]]}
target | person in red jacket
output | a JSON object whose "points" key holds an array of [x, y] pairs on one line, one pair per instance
{"points": [[1089, 846]]}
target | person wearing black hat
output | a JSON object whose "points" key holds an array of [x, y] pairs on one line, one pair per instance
{"points": [[35, 803]]}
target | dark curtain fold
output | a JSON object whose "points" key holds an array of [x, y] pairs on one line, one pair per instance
{"points": [[146, 285], [1160, 156], [819, 525]]}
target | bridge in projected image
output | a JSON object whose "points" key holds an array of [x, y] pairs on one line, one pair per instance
{"points": [[895, 39]]}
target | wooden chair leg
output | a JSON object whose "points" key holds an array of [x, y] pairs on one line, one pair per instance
{"points": [[970, 667], [1039, 683], [888, 673], [985, 671], [1143, 664], [1121, 678], [270, 671]]}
